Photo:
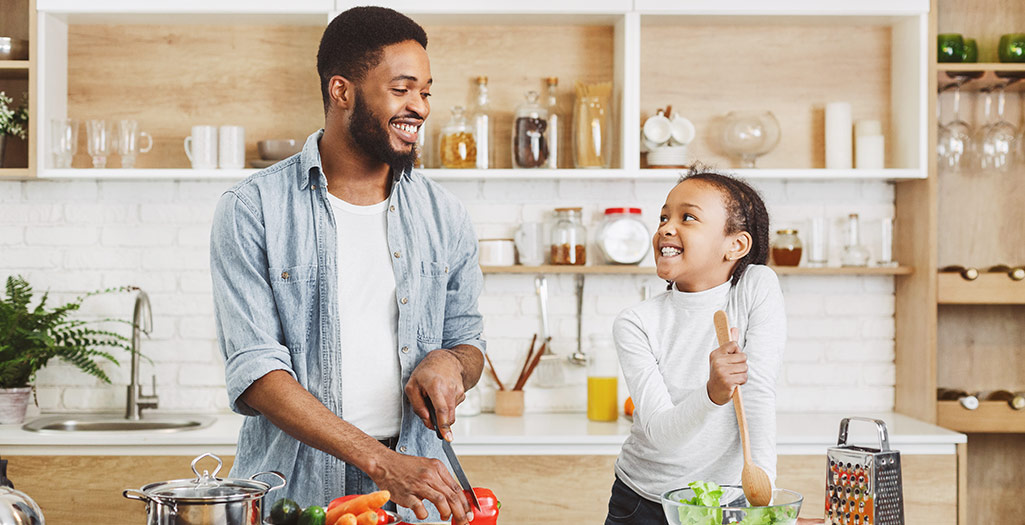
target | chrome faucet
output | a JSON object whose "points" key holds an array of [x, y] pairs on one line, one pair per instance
{"points": [[142, 322]]}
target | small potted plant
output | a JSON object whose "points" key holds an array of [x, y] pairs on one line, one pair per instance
{"points": [[31, 335], [13, 121]]}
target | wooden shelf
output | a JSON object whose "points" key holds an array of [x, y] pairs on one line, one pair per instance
{"points": [[981, 66], [989, 288], [670, 175], [650, 270], [14, 68], [15, 173], [991, 416], [146, 174]]}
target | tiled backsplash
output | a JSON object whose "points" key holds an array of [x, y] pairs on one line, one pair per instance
{"points": [[76, 236]]}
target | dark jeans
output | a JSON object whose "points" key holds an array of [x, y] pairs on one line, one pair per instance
{"points": [[357, 482], [626, 506]]}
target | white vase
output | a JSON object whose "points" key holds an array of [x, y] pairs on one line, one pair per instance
{"points": [[13, 402]]}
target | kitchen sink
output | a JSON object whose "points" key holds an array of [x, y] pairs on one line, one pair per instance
{"points": [[117, 423]]}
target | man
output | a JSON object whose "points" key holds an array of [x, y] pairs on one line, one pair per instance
{"points": [[346, 286]]}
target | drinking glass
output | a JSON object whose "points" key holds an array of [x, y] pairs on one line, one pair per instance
{"points": [[128, 142], [63, 141], [954, 139], [750, 134], [99, 140], [998, 142]]}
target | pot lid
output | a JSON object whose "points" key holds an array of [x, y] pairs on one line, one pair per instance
{"points": [[208, 488]]}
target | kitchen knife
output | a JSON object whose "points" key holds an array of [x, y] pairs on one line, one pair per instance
{"points": [[452, 459]]}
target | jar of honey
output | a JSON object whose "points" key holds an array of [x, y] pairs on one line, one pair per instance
{"points": [[786, 248]]}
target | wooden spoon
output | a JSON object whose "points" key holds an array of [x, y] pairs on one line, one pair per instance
{"points": [[757, 487]]}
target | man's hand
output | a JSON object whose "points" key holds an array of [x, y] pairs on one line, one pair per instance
{"points": [[727, 369], [440, 377], [412, 479]]}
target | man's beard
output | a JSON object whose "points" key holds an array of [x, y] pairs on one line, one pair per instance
{"points": [[373, 138]]}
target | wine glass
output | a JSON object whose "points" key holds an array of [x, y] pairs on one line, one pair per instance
{"points": [[999, 139], [954, 139], [750, 134]]}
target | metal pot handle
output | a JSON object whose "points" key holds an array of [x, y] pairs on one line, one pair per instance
{"points": [[275, 474], [136, 495], [199, 476]]}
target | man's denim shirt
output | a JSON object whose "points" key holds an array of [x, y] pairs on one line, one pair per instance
{"points": [[275, 283]]}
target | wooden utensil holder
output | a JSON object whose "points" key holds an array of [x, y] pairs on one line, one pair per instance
{"points": [[509, 403]]}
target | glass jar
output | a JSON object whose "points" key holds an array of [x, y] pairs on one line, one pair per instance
{"points": [[786, 248], [622, 236], [529, 140], [458, 146], [568, 237], [591, 145]]}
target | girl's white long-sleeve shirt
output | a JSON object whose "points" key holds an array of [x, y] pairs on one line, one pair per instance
{"points": [[679, 435]]}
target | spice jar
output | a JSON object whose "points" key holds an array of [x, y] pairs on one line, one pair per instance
{"points": [[529, 142], [458, 147], [569, 237], [622, 236], [786, 248]]}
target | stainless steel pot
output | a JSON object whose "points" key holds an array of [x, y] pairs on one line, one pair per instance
{"points": [[205, 500]]}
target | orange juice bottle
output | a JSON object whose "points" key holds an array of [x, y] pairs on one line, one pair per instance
{"points": [[602, 384]]}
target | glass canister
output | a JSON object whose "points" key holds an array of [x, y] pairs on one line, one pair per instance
{"points": [[622, 236], [591, 145], [529, 140], [786, 248], [568, 237], [602, 381], [854, 253], [458, 147], [552, 105]]}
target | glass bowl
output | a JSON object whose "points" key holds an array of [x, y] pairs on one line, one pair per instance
{"points": [[786, 504]]}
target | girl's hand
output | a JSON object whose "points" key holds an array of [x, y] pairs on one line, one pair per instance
{"points": [[727, 370]]}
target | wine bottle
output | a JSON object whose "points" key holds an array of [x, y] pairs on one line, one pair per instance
{"points": [[1015, 274], [967, 400], [968, 274], [1014, 400]]}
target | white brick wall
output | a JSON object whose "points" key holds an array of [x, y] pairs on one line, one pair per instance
{"points": [[73, 237]]}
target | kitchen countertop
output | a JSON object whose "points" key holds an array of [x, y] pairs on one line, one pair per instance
{"points": [[490, 435]]}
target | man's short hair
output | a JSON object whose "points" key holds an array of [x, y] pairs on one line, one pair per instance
{"points": [[352, 43]]}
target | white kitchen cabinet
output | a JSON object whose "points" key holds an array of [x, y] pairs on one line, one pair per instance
{"points": [[902, 27]]}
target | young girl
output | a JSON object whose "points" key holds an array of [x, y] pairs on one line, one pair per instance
{"points": [[711, 245]]}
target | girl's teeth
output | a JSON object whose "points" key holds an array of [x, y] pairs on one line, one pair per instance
{"points": [[668, 252]]}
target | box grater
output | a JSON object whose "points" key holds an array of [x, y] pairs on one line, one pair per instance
{"points": [[863, 485]]}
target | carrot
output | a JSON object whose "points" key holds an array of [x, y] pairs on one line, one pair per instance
{"points": [[333, 513], [361, 504], [367, 518], [346, 519]]}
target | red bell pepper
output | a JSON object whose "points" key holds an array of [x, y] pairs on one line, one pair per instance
{"points": [[489, 505]]}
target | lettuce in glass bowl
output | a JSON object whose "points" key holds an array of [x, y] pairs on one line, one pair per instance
{"points": [[705, 503]]}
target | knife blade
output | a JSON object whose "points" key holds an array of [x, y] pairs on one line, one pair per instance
{"points": [[457, 469]]}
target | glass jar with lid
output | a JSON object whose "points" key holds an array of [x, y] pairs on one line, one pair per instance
{"points": [[622, 236], [568, 237], [529, 134], [458, 146], [786, 248]]}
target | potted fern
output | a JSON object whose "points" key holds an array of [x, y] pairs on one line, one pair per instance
{"points": [[30, 336]]}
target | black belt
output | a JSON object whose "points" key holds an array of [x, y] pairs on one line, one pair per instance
{"points": [[390, 442]]}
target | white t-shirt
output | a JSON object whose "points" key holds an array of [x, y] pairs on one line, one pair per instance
{"points": [[678, 434], [369, 316]]}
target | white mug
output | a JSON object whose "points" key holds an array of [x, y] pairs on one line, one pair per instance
{"points": [[657, 130], [681, 131], [231, 147], [530, 244], [497, 252], [201, 147]]}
